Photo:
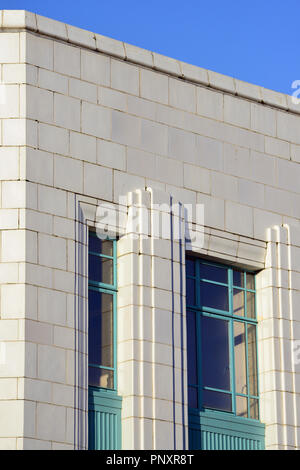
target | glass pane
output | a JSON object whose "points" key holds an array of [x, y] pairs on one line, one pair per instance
{"points": [[190, 267], [100, 336], [192, 348], [107, 248], [217, 400], [240, 358], [101, 377], [250, 281], [214, 296], [193, 397], [242, 406], [214, 273], [190, 292], [97, 245], [100, 269], [252, 360], [254, 408], [95, 268], [94, 242], [215, 353], [107, 271], [238, 278], [250, 304], [238, 302]]}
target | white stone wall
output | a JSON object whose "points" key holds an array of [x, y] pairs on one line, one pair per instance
{"points": [[18, 247], [80, 122]]}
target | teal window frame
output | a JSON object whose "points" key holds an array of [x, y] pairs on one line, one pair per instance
{"points": [[104, 404], [229, 316], [112, 290]]}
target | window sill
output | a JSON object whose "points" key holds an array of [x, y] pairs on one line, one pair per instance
{"points": [[104, 397], [217, 430]]}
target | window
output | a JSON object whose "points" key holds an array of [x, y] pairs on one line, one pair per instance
{"points": [[104, 417], [221, 329], [102, 308]]}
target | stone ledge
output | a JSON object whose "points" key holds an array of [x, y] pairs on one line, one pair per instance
{"points": [[21, 19]]}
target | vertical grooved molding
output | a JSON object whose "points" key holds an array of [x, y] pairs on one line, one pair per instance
{"points": [[81, 328], [183, 339], [146, 425], [153, 228], [147, 373], [131, 313], [293, 243], [279, 333]]}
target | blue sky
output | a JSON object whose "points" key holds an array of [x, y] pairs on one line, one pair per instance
{"points": [[256, 41]]}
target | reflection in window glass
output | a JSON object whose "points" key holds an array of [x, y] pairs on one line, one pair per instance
{"points": [[242, 406], [215, 353], [250, 284], [107, 271], [238, 278], [101, 377], [217, 400], [107, 247], [214, 273], [254, 408], [250, 305], [252, 360], [240, 358], [100, 337], [239, 302], [192, 349], [214, 296]]}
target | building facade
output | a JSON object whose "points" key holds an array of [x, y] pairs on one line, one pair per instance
{"points": [[150, 249]]}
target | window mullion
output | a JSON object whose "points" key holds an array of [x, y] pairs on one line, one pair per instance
{"points": [[115, 263], [256, 347], [198, 334], [247, 368], [231, 340], [246, 346], [199, 359], [115, 338]]}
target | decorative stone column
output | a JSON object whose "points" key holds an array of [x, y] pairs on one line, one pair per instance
{"points": [[278, 293], [151, 325]]}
